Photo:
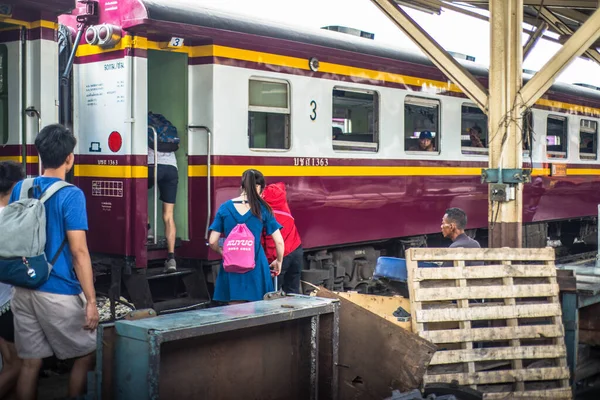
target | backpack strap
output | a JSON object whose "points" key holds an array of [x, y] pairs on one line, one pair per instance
{"points": [[49, 192], [26, 186], [55, 187], [60, 249]]}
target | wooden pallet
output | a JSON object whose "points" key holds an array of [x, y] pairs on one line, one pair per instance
{"points": [[496, 322]]}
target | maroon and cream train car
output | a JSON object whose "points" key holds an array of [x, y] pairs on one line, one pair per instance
{"points": [[335, 117], [29, 93]]}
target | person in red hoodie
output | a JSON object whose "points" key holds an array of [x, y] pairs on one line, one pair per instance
{"points": [[289, 278]]}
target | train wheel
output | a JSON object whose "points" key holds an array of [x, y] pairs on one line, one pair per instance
{"points": [[362, 288]]}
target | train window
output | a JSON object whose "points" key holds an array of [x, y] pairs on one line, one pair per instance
{"points": [[474, 136], [3, 95], [269, 114], [556, 137], [588, 140], [355, 120], [421, 124]]}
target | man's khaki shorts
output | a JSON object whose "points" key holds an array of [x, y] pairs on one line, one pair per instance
{"points": [[48, 323]]}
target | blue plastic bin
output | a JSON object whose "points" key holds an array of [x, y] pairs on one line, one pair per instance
{"points": [[394, 268]]}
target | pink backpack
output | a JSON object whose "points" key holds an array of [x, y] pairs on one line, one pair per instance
{"points": [[238, 250]]}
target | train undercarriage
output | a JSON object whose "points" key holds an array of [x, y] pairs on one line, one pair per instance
{"points": [[347, 268]]}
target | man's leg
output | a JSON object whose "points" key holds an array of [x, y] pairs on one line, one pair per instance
{"points": [[170, 234], [78, 380], [28, 379], [282, 278], [63, 326], [294, 270], [30, 341], [168, 180], [170, 229], [11, 365]]}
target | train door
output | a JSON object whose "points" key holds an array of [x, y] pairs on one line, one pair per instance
{"points": [[11, 94], [28, 88], [168, 96]]}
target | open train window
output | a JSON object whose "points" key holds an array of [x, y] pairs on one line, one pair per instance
{"points": [[269, 114], [355, 120], [556, 137], [3, 95], [421, 125], [588, 140], [474, 136]]}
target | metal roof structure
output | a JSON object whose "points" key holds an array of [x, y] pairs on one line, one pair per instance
{"points": [[560, 17]]}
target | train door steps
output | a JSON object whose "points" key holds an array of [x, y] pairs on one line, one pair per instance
{"points": [[496, 318], [157, 273]]}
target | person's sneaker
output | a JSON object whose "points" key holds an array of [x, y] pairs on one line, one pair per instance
{"points": [[150, 234], [170, 266]]}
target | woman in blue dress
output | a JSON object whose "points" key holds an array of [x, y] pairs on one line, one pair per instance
{"points": [[250, 209]]}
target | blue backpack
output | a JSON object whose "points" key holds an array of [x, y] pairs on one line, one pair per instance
{"points": [[167, 138]]}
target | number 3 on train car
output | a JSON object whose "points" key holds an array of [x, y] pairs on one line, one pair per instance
{"points": [[176, 42]]}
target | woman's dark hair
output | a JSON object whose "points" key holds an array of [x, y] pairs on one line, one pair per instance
{"points": [[10, 173], [251, 178]]}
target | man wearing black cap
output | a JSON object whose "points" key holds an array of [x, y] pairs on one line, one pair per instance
{"points": [[425, 142]]}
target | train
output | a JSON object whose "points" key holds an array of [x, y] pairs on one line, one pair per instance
{"points": [[335, 116]]}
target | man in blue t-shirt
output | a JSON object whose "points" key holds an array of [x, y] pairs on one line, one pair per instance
{"points": [[60, 316]]}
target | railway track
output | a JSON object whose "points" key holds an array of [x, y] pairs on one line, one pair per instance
{"points": [[578, 258]]}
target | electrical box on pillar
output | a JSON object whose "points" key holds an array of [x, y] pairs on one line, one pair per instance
{"points": [[502, 192], [503, 182]]}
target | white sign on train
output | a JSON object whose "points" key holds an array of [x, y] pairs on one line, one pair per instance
{"points": [[176, 42], [102, 109]]}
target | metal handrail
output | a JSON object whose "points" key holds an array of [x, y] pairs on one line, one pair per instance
{"points": [[598, 253], [208, 176], [154, 239], [31, 112]]}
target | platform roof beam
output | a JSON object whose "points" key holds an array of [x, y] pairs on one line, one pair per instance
{"points": [[533, 39], [440, 57], [557, 24], [589, 4], [574, 47]]}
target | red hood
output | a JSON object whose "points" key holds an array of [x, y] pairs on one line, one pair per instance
{"points": [[275, 195]]}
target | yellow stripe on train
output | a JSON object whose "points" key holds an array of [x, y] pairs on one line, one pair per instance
{"points": [[111, 171], [19, 159], [30, 25], [227, 171], [279, 170]]}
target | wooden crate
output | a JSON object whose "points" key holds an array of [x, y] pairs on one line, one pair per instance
{"points": [[496, 318]]}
